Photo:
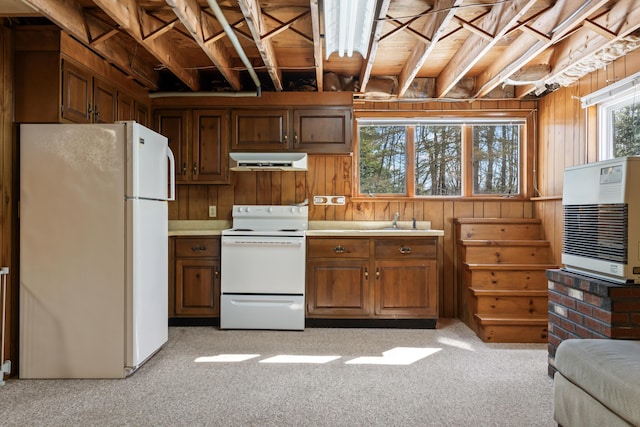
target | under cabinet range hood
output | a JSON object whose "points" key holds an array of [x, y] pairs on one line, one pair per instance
{"points": [[268, 161]]}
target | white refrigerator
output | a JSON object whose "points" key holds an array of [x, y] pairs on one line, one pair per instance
{"points": [[93, 248]]}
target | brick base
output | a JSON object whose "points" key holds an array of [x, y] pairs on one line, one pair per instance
{"points": [[585, 307]]}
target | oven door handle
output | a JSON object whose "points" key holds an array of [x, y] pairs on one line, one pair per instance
{"points": [[263, 243]]}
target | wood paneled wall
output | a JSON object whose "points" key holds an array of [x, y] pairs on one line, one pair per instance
{"points": [[567, 136]]}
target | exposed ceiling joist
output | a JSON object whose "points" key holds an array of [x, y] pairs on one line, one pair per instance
{"points": [[367, 64]]}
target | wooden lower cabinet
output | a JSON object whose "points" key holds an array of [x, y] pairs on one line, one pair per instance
{"points": [[196, 290], [372, 278]]}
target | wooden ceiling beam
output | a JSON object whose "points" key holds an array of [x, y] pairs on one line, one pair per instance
{"points": [[317, 44], [71, 18], [129, 16], [197, 23], [496, 23], [253, 15], [556, 22], [367, 64], [623, 18], [437, 21]]}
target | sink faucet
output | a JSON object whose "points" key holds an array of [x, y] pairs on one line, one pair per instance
{"points": [[394, 224]]}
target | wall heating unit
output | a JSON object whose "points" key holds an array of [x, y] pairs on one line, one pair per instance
{"points": [[263, 268], [601, 231]]}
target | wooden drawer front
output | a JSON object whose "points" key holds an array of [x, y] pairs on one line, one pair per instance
{"points": [[406, 248], [197, 247], [338, 248]]}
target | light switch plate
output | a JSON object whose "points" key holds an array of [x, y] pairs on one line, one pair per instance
{"points": [[212, 212]]}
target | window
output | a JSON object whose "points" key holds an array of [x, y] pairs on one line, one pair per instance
{"points": [[619, 118], [435, 158]]}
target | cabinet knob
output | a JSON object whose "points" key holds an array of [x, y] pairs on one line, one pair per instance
{"points": [[285, 137], [184, 169], [377, 273], [198, 248], [405, 249], [339, 249], [195, 168], [295, 138], [366, 274]]}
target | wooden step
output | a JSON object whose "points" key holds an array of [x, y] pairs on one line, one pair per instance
{"points": [[510, 329], [522, 302], [506, 276], [504, 251], [498, 228]]}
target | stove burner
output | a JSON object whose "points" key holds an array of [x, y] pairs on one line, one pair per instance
{"points": [[242, 229], [288, 229]]}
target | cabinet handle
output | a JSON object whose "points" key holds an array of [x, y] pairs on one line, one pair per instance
{"points": [[198, 248], [184, 168], [339, 249], [405, 249], [284, 138], [377, 273], [195, 168], [295, 138], [366, 274], [96, 116]]}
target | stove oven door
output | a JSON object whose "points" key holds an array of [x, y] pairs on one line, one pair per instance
{"points": [[262, 282]]}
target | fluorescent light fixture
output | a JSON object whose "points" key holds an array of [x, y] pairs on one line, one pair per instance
{"points": [[347, 26]]}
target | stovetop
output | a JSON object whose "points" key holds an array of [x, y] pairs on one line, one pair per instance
{"points": [[276, 220]]}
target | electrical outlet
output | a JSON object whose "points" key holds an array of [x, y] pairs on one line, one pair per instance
{"points": [[212, 212]]}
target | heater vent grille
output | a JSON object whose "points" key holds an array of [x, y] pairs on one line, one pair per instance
{"points": [[596, 231]]}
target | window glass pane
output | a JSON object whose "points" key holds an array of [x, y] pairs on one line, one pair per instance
{"points": [[438, 160], [496, 159], [382, 159], [626, 130]]}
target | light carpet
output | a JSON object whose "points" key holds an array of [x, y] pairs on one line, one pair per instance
{"points": [[434, 377]]}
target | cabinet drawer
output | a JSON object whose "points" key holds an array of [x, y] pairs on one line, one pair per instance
{"points": [[197, 247], [406, 248], [338, 248]]}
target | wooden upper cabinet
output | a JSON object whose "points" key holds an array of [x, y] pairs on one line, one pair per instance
{"points": [[262, 129], [77, 94], [317, 129], [126, 106], [173, 124], [322, 130], [142, 114], [210, 148], [199, 140], [104, 102]]}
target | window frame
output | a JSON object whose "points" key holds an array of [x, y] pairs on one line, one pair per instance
{"points": [[606, 108], [526, 154]]}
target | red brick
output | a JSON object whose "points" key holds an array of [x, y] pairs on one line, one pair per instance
{"points": [[606, 331], [621, 319], [583, 308], [583, 332], [593, 324], [603, 316], [626, 305], [625, 292], [593, 299], [554, 297], [625, 333], [568, 302], [635, 319], [575, 317]]}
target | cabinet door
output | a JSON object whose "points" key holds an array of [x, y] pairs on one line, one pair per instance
{"points": [[322, 130], [141, 113], [125, 107], [77, 94], [173, 124], [260, 130], [338, 288], [210, 150], [406, 288], [197, 287], [104, 102]]}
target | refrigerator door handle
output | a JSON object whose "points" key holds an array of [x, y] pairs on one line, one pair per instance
{"points": [[172, 175]]}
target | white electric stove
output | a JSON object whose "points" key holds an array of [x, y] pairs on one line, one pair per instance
{"points": [[263, 268]]}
